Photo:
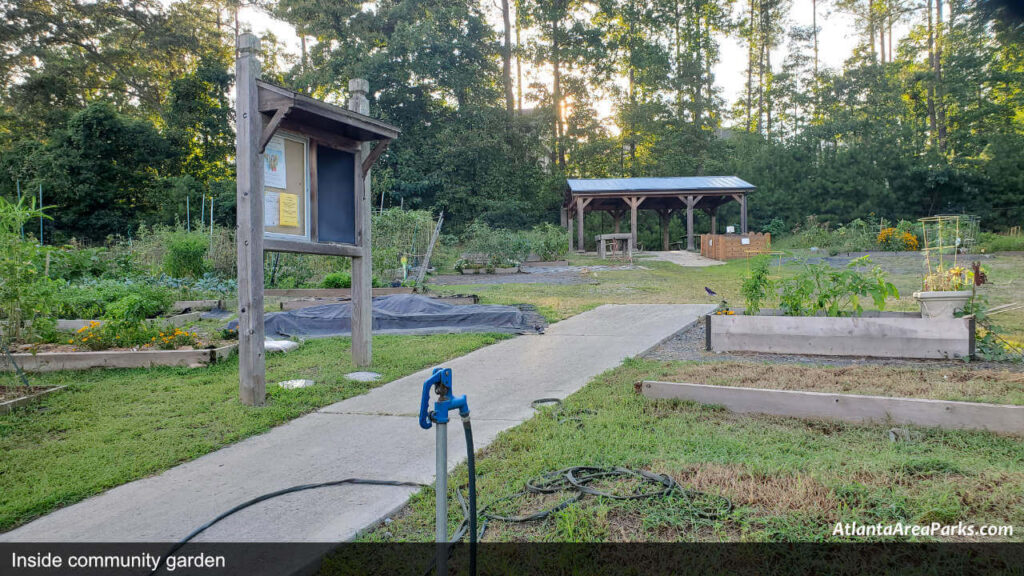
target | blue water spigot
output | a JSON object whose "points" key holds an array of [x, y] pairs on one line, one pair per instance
{"points": [[441, 381]]}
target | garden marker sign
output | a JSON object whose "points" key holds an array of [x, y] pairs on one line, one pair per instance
{"points": [[303, 180]]}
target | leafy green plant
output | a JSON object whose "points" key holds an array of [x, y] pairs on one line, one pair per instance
{"points": [[337, 280], [137, 307], [186, 255], [820, 288], [25, 291], [91, 299], [757, 285]]}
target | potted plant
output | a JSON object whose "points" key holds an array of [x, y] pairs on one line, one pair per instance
{"points": [[945, 291]]}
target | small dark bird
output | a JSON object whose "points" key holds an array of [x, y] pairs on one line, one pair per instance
{"points": [[710, 291]]}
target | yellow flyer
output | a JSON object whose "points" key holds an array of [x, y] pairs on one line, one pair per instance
{"points": [[289, 204]]}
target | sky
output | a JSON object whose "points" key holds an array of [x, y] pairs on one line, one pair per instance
{"points": [[836, 41]]}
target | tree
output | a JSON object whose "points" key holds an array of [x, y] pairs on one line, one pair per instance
{"points": [[101, 173]]}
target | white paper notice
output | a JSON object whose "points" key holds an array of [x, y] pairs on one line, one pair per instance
{"points": [[274, 172], [271, 208]]}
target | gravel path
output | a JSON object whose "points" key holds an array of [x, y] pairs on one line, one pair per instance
{"points": [[681, 258], [557, 275]]}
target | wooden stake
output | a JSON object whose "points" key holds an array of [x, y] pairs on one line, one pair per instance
{"points": [[252, 385]]}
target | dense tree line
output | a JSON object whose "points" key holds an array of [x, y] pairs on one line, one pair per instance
{"points": [[121, 109]]}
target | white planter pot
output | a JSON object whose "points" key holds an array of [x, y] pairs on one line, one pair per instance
{"points": [[942, 304]]}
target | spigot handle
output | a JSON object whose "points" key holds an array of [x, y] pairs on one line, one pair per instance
{"points": [[442, 377]]}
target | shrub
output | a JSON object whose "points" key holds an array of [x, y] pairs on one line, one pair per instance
{"points": [[337, 280], [1001, 242], [777, 227], [549, 242], [502, 248], [186, 255]]}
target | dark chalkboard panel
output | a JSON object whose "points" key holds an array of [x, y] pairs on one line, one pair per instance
{"points": [[335, 196]]}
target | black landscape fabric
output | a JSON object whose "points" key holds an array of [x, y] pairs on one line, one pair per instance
{"points": [[403, 314]]}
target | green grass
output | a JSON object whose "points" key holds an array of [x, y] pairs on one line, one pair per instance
{"points": [[660, 283], [790, 480], [109, 427], [667, 283]]}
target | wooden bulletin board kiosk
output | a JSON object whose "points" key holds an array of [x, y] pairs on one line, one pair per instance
{"points": [[303, 181]]}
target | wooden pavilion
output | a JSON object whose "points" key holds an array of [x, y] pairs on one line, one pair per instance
{"points": [[663, 195]]}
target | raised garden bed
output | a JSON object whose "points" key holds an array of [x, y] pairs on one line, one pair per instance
{"points": [[14, 397], [540, 263], [884, 335], [177, 321], [845, 407], [54, 361], [182, 306]]}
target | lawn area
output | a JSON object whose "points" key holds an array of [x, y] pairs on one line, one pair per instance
{"points": [[659, 283], [109, 427], [789, 479], [667, 283]]}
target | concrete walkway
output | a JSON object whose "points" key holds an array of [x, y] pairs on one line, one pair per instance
{"points": [[375, 435]]}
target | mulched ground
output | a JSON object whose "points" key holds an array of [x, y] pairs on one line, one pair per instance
{"points": [[689, 345]]}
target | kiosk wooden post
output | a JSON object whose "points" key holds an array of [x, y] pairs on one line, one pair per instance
{"points": [[252, 387], [362, 267], [303, 187]]}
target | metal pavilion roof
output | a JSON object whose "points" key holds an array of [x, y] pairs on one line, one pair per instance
{"points": [[670, 184]]}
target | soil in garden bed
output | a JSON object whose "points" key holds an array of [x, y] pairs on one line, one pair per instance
{"points": [[8, 393], [690, 345], [67, 348]]}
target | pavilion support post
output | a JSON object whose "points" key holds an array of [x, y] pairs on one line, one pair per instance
{"points": [[252, 385], [664, 215], [362, 266], [714, 220], [634, 203], [743, 214], [581, 206], [569, 228], [690, 202], [617, 220]]}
